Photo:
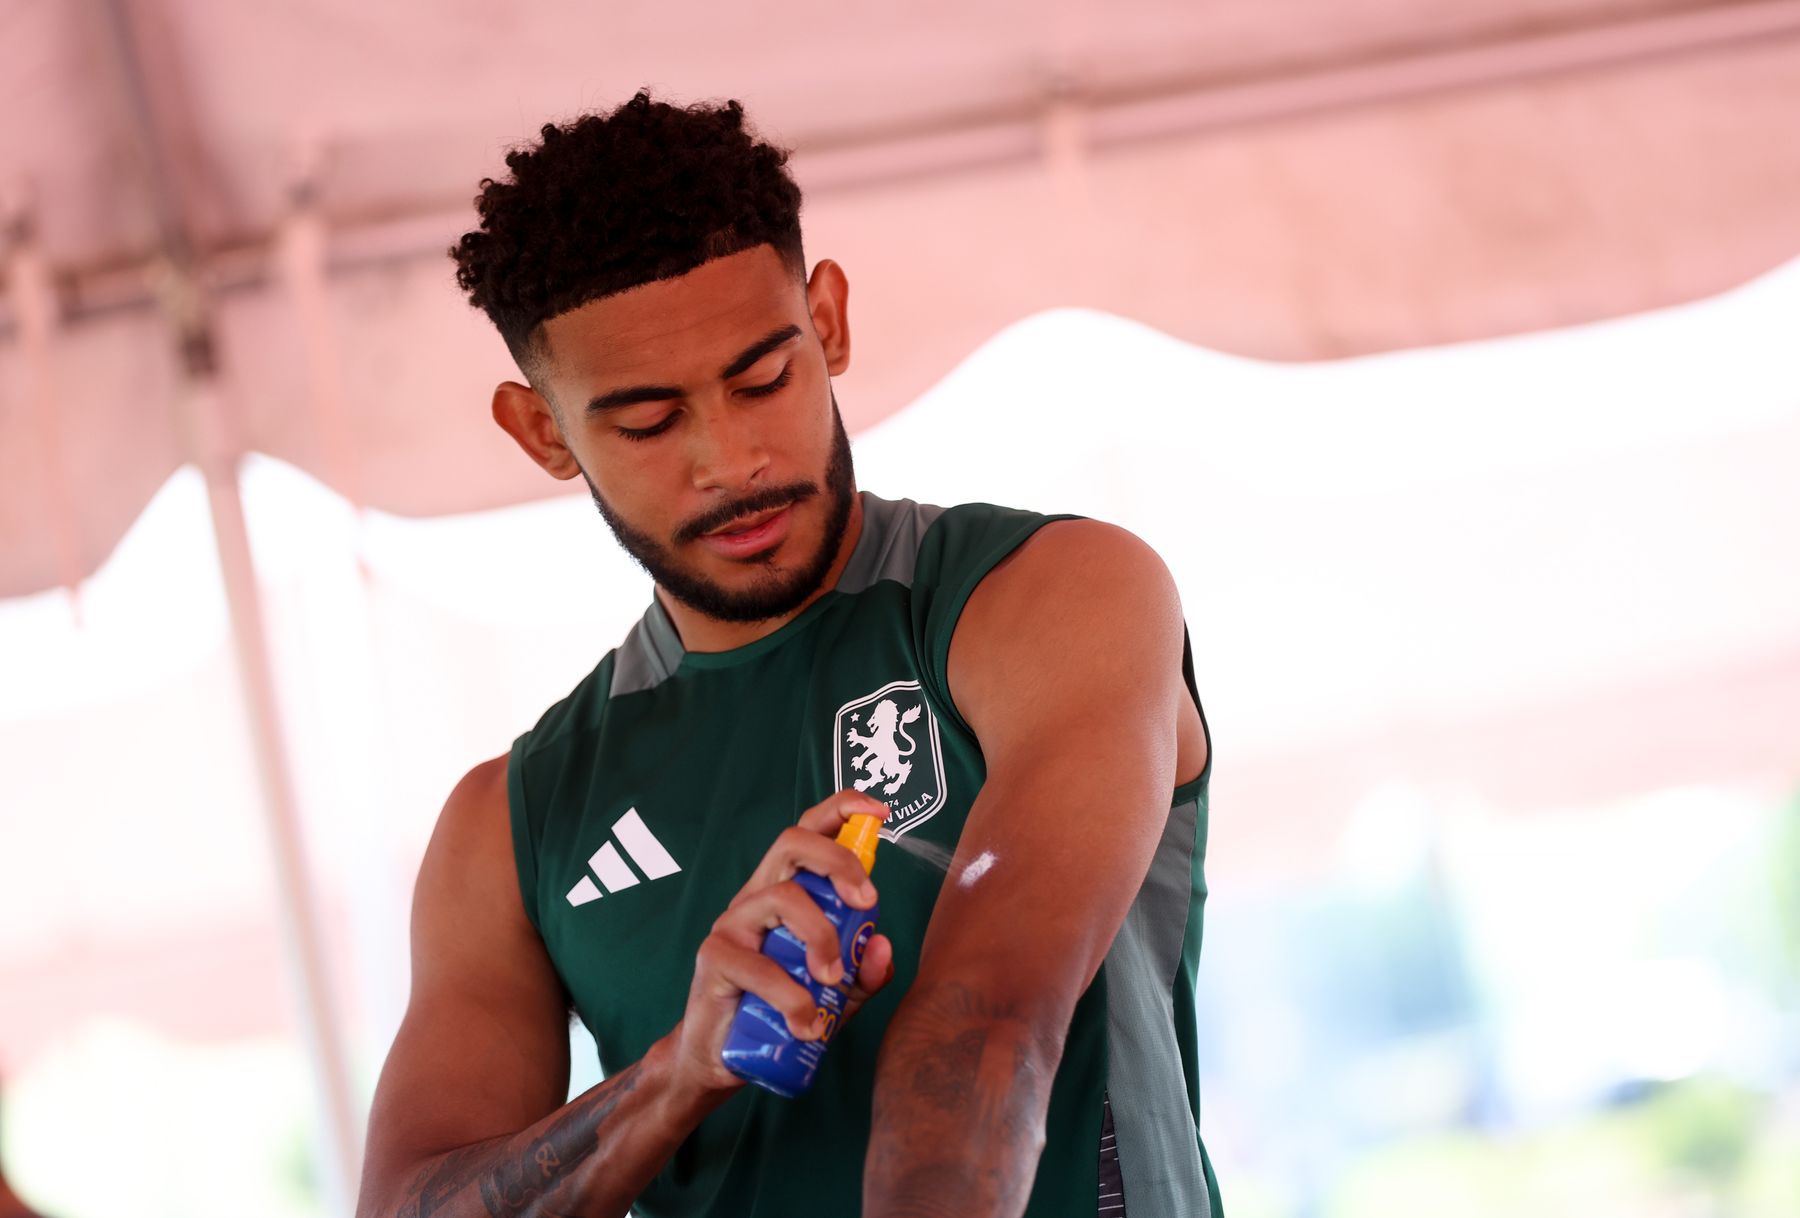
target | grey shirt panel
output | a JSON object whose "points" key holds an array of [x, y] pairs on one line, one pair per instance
{"points": [[892, 531], [649, 655], [1153, 1126]]}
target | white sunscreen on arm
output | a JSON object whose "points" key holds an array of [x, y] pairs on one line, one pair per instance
{"points": [[979, 866]]}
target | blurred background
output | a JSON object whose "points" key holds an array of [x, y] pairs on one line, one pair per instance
{"points": [[1450, 354]]}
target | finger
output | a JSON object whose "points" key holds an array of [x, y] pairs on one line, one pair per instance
{"points": [[877, 967], [751, 916], [829, 814], [876, 971], [801, 849], [730, 969]]}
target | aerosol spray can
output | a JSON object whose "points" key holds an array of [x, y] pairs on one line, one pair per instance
{"points": [[758, 1047]]}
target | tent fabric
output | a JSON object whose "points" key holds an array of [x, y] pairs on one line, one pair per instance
{"points": [[1285, 182]]}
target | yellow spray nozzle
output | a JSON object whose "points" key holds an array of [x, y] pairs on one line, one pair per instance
{"points": [[859, 835]]}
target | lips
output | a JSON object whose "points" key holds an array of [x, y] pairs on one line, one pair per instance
{"points": [[752, 536], [748, 523]]}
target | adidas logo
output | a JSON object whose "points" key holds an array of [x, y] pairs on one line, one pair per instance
{"points": [[607, 863]]}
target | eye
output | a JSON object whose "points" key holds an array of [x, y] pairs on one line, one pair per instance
{"points": [[763, 391], [644, 433]]}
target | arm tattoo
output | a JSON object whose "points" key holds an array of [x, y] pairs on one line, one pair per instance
{"points": [[944, 1079], [516, 1177], [960, 1097]]}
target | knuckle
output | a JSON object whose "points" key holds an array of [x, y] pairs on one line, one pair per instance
{"points": [[819, 935], [775, 987], [789, 901]]}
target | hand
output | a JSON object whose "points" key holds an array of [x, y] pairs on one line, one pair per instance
{"points": [[730, 960]]}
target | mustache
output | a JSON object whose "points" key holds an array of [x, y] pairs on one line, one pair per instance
{"points": [[764, 500]]}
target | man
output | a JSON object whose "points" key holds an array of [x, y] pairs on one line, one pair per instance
{"points": [[1011, 686], [11, 1204]]}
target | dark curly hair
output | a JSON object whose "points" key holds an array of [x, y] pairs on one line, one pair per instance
{"points": [[610, 201]]}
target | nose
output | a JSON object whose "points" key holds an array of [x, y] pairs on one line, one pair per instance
{"points": [[728, 451]]}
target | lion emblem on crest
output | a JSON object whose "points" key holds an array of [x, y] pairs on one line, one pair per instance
{"points": [[883, 756], [887, 744]]}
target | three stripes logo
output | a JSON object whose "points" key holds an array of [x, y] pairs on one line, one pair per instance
{"points": [[640, 845]]}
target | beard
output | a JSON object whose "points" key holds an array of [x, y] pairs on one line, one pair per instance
{"points": [[774, 593]]}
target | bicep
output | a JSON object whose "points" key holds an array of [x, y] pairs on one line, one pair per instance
{"points": [[483, 1049], [1067, 664]]}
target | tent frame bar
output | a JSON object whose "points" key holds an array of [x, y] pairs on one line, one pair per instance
{"points": [[853, 160]]}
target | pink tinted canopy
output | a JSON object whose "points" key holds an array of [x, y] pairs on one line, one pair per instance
{"points": [[1292, 182]]}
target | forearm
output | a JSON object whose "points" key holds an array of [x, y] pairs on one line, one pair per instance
{"points": [[591, 1157], [961, 1091]]}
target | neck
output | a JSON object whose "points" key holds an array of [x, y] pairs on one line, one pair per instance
{"points": [[701, 633]]}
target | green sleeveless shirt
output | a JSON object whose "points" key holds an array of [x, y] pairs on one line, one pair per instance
{"points": [[643, 801]]}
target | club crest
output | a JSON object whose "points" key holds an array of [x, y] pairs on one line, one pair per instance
{"points": [[887, 745]]}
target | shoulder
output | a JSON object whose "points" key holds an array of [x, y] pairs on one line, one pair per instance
{"points": [[1083, 610], [962, 547], [1081, 538], [474, 830], [1012, 537], [1076, 564], [468, 906], [483, 787]]}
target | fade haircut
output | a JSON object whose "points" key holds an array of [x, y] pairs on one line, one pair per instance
{"points": [[612, 201]]}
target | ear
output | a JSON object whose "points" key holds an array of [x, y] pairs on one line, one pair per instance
{"points": [[524, 415], [828, 299]]}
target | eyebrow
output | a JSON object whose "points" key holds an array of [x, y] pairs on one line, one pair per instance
{"points": [[633, 394]]}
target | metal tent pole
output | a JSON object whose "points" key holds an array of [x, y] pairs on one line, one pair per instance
{"points": [[219, 456], [218, 449]]}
